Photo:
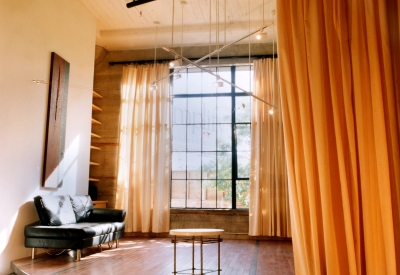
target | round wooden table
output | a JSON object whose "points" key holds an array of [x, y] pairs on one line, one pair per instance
{"points": [[197, 235]]}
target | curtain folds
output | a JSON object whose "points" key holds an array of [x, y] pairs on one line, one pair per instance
{"points": [[340, 103], [144, 151], [269, 200]]}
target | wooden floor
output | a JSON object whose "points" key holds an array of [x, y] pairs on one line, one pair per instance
{"points": [[142, 256]]}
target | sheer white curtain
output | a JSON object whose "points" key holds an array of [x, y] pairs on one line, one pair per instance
{"points": [[269, 196], [144, 152]]}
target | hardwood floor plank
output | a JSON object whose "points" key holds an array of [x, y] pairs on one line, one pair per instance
{"points": [[145, 256]]}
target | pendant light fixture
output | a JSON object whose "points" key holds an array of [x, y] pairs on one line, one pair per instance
{"points": [[178, 61], [262, 34], [272, 109], [153, 86], [218, 83], [217, 51]]}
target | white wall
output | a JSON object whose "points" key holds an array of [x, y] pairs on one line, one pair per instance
{"points": [[29, 32]]}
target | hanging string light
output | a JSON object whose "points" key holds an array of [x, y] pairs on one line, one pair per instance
{"points": [[271, 110], [178, 61], [262, 34], [153, 87], [218, 83]]}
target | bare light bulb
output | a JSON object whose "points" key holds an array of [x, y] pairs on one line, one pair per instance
{"points": [[153, 87], [218, 83], [175, 63], [271, 111]]}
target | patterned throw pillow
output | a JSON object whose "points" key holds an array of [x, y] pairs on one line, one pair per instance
{"points": [[82, 206], [59, 209]]}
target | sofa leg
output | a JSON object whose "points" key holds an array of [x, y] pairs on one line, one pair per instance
{"points": [[78, 255], [33, 253], [116, 243]]}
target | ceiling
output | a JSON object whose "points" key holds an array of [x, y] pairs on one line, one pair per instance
{"points": [[122, 28]]}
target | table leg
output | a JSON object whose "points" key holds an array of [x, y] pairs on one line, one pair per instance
{"points": [[201, 255], [219, 258], [175, 255], [193, 255]]}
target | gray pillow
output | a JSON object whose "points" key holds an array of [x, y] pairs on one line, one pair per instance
{"points": [[59, 209], [82, 206]]}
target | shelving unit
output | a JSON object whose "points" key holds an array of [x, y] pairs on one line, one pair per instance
{"points": [[95, 121]]}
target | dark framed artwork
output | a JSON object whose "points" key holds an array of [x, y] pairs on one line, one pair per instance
{"points": [[56, 122]]}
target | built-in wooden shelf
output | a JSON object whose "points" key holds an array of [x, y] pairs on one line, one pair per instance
{"points": [[95, 108], [96, 95], [95, 121], [96, 136]]}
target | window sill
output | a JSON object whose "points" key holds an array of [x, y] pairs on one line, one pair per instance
{"points": [[225, 212]]}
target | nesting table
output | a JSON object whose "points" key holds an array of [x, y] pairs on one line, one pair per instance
{"points": [[196, 235]]}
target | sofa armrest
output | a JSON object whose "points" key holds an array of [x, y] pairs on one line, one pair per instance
{"points": [[107, 215]]}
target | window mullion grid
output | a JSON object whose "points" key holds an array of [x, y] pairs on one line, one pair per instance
{"points": [[234, 173]]}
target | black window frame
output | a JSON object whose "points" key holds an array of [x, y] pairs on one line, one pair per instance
{"points": [[233, 94]]}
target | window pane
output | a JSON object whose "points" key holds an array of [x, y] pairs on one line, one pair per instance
{"points": [[208, 82], [179, 165], [209, 194], [209, 165], [224, 141], [194, 193], [179, 85], [194, 165], [244, 79], [178, 193], [243, 108], [243, 161], [224, 165], [224, 109], [179, 110], [194, 137], [179, 138], [225, 73], [194, 110], [243, 136], [242, 194], [209, 137], [194, 81], [209, 107], [224, 194]]}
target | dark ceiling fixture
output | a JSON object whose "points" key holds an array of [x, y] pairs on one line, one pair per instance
{"points": [[135, 3]]}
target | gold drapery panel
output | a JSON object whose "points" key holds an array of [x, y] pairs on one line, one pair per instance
{"points": [[144, 152], [269, 197], [339, 73]]}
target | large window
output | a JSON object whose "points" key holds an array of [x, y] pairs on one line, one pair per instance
{"points": [[211, 139]]}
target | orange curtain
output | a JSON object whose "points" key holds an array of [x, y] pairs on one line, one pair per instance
{"points": [[340, 101], [269, 194], [143, 185]]}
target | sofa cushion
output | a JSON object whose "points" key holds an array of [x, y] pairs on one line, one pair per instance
{"points": [[82, 206], [81, 230], [58, 209]]}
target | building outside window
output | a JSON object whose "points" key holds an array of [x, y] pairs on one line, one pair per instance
{"points": [[211, 139]]}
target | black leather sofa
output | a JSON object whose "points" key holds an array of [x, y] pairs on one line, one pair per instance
{"points": [[71, 222]]}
